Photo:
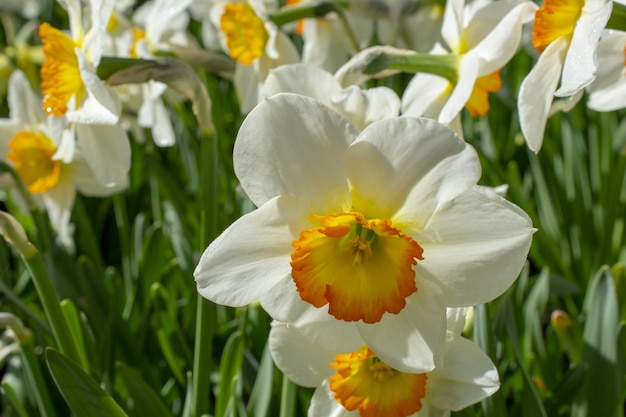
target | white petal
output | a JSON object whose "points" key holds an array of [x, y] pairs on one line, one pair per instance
{"points": [[59, 202], [475, 247], [425, 96], [301, 361], [106, 149], [323, 404], [252, 255], [468, 376], [579, 69], [293, 145], [363, 107], [87, 183], [102, 105], [608, 91], [468, 72], [411, 341], [536, 93], [404, 168], [305, 80], [452, 25], [500, 44], [24, 105]]}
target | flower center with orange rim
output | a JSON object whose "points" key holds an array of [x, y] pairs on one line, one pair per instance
{"points": [[60, 76], [138, 35], [245, 32], [365, 384], [478, 103], [31, 153], [361, 268], [554, 19]]}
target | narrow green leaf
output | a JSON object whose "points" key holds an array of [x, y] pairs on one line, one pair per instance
{"points": [[13, 399], [287, 398], [80, 391], [261, 394], [73, 322], [145, 401], [230, 365], [600, 391]]}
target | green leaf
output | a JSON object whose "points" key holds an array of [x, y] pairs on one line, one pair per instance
{"points": [[600, 392], [261, 394], [13, 399], [145, 400], [230, 365], [80, 391], [73, 322]]}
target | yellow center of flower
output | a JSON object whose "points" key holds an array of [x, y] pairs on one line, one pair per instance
{"points": [[360, 268], [138, 35], [31, 153], [245, 32], [478, 103], [554, 19], [373, 388], [60, 76]]}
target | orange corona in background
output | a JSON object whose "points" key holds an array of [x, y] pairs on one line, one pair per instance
{"points": [[554, 19], [478, 103], [31, 153], [365, 384], [60, 76]]}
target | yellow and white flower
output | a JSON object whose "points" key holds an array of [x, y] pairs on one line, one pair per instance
{"points": [[484, 37], [29, 140], [566, 32], [255, 43], [70, 85], [369, 229], [356, 382]]}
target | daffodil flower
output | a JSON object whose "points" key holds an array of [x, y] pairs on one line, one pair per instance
{"points": [[255, 43], [566, 32], [29, 140], [360, 106], [377, 231], [69, 82], [484, 39], [608, 91], [356, 382]]}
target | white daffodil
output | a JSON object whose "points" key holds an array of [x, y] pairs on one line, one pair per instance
{"points": [[357, 382], [360, 106], [29, 140], [255, 43], [70, 85], [608, 91], [365, 230], [484, 39], [567, 33]]}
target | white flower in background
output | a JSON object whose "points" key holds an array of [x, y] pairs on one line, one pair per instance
{"points": [[608, 91], [29, 140], [340, 208], [360, 106], [567, 34], [156, 26], [356, 382], [484, 37], [255, 43]]}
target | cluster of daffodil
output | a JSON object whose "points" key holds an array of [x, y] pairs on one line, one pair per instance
{"points": [[372, 238]]}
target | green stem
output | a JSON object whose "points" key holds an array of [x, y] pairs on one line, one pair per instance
{"points": [[40, 389], [121, 220], [51, 304], [206, 311], [442, 65], [618, 17], [304, 10]]}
